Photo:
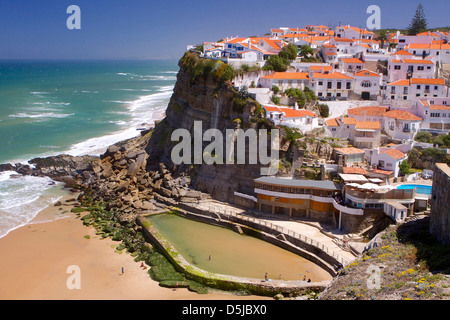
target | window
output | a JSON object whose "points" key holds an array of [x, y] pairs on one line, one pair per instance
{"points": [[392, 89], [339, 85], [418, 87], [405, 90], [338, 94], [420, 68], [366, 84], [397, 67], [320, 83], [349, 85], [389, 165], [436, 88], [329, 85]]}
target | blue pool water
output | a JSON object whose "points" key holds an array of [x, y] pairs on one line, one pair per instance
{"points": [[421, 189]]}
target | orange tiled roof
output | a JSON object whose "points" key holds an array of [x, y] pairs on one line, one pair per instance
{"points": [[402, 53], [402, 115], [354, 170], [349, 121], [350, 150], [332, 122], [287, 76], [418, 61], [366, 73], [334, 75], [291, 113], [428, 81], [403, 82], [385, 172], [394, 153], [439, 107], [369, 111], [375, 125], [352, 60]]}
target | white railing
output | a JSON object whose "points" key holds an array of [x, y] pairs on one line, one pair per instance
{"points": [[282, 230]]}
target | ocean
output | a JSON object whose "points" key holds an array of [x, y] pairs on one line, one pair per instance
{"points": [[70, 107]]}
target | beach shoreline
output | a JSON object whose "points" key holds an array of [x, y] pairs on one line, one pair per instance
{"points": [[36, 258]]}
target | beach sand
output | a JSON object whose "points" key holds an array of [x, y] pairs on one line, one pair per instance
{"points": [[35, 259]]}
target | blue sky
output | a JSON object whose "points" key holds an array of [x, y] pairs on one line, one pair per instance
{"points": [[143, 29]]}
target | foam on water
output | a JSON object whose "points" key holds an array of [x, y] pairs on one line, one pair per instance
{"points": [[23, 197]]}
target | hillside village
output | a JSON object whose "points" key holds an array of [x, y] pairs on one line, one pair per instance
{"points": [[386, 96]]}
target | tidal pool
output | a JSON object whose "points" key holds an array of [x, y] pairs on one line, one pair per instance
{"points": [[220, 250]]}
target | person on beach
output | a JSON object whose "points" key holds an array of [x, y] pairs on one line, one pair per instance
{"points": [[122, 270], [266, 277]]}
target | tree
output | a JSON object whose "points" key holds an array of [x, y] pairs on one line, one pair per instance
{"points": [[405, 168], [418, 23], [289, 52], [276, 63], [306, 51], [324, 110], [382, 37]]}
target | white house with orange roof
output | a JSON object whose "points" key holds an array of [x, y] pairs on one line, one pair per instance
{"points": [[285, 80], [371, 113], [303, 120], [415, 88], [439, 50], [388, 159], [410, 68], [332, 85], [362, 134], [435, 113], [353, 33], [351, 65], [329, 53], [367, 84], [401, 124]]}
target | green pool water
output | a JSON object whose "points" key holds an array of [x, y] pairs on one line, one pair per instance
{"points": [[232, 253]]}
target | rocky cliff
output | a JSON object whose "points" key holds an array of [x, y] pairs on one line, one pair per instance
{"points": [[204, 92]]}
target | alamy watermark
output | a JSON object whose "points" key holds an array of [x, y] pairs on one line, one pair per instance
{"points": [[374, 21], [73, 22], [222, 150], [74, 280]]}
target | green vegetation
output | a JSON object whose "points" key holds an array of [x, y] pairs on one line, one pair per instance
{"points": [[419, 158], [405, 169], [199, 68], [324, 110], [440, 140], [418, 23], [282, 61]]}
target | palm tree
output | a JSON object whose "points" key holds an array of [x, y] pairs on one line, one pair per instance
{"points": [[382, 37]]}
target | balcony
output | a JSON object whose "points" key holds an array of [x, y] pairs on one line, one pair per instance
{"points": [[406, 129]]}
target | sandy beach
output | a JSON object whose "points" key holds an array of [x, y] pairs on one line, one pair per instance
{"points": [[36, 257]]}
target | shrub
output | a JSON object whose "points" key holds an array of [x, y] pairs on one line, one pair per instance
{"points": [[275, 89], [324, 110], [405, 168], [424, 137]]}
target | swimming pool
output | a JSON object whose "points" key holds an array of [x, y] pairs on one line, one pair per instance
{"points": [[421, 189]]}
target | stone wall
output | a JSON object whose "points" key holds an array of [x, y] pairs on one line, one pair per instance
{"points": [[440, 204]]}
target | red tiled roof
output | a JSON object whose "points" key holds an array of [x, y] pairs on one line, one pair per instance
{"points": [[402, 115], [428, 81], [355, 170], [366, 73], [350, 150], [369, 111], [385, 172], [291, 113], [352, 60], [287, 76], [394, 153], [332, 122], [374, 125]]}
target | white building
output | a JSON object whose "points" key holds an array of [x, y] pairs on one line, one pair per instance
{"points": [[401, 124], [367, 84], [435, 113], [388, 159], [285, 80], [303, 120], [362, 134], [331, 85], [440, 50], [353, 33], [351, 65], [410, 68], [416, 88]]}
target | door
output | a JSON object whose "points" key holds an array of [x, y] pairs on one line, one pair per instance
{"points": [[365, 95]]}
